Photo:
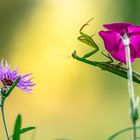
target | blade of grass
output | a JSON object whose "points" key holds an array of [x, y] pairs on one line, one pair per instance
{"points": [[23, 130], [16, 135]]}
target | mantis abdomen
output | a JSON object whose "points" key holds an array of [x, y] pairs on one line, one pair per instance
{"points": [[113, 68]]}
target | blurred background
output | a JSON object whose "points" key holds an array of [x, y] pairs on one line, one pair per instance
{"points": [[71, 100]]}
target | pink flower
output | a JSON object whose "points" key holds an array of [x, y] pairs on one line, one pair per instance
{"points": [[114, 43]]}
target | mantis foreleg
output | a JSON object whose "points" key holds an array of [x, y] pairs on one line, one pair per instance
{"points": [[88, 40]]}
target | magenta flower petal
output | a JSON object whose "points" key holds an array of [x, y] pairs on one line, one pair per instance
{"points": [[135, 41], [138, 55], [111, 40], [8, 77], [117, 27], [117, 55], [114, 44], [134, 29]]}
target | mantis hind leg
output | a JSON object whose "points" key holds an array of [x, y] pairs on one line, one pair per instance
{"points": [[111, 60], [107, 56]]}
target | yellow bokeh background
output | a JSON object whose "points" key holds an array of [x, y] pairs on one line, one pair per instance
{"points": [[71, 100]]}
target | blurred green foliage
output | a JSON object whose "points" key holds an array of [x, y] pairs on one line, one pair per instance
{"points": [[12, 13], [130, 10]]}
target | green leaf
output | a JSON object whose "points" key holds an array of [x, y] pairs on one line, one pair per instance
{"points": [[23, 130], [16, 135], [12, 87], [18, 130], [120, 132]]}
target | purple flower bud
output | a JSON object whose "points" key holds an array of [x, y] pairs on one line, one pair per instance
{"points": [[120, 35]]}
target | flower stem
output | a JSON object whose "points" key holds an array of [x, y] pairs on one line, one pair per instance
{"points": [[3, 117], [134, 130], [131, 91]]}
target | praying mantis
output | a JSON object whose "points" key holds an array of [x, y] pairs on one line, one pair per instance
{"points": [[109, 66]]}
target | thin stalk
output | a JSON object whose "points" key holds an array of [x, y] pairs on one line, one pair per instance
{"points": [[134, 130], [131, 90], [3, 117], [129, 75]]}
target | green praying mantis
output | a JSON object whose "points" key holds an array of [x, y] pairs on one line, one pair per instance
{"points": [[109, 66]]}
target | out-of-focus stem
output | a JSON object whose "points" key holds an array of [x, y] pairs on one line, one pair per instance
{"points": [[131, 90], [3, 117]]}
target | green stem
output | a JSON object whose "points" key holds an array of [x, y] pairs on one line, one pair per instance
{"points": [[134, 130], [3, 117], [131, 91]]}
